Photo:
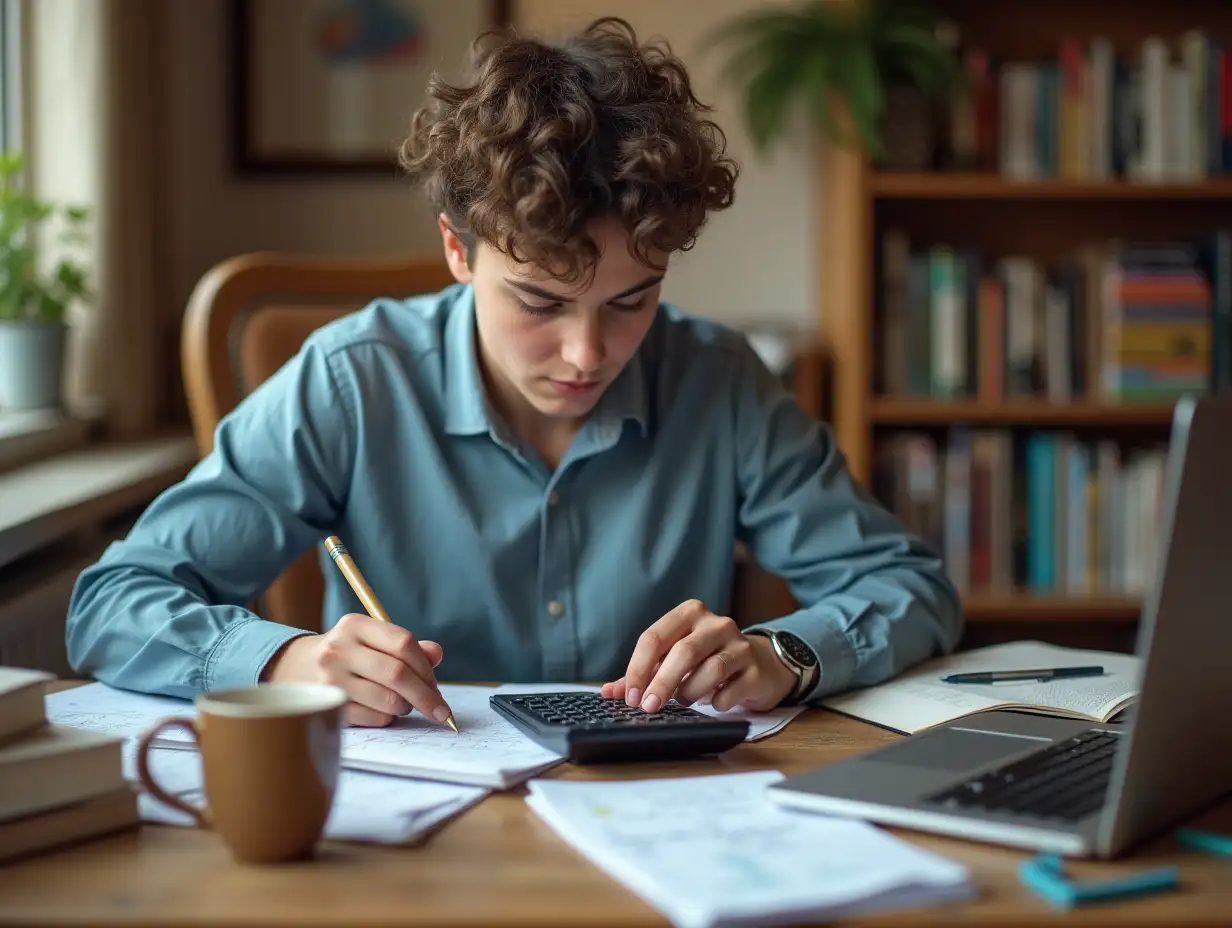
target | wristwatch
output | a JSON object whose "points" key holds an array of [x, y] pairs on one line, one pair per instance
{"points": [[796, 654]]}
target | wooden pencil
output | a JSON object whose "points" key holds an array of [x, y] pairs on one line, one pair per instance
{"points": [[340, 556]]}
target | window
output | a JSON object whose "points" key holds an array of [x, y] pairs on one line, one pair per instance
{"points": [[10, 75], [24, 436]]}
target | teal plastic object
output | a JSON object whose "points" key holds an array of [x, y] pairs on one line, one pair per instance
{"points": [[1045, 876], [1209, 841]]}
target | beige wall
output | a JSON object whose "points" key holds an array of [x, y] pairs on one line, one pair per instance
{"points": [[754, 263]]}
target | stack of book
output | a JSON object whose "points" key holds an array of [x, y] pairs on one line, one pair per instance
{"points": [[58, 784]]}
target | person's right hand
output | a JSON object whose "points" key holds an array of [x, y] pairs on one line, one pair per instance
{"points": [[385, 671]]}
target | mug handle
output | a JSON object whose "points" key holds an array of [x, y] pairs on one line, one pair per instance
{"points": [[144, 743]]}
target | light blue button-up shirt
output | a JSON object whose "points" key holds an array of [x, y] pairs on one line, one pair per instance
{"points": [[378, 431]]}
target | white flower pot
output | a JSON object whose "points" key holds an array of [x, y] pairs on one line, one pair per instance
{"points": [[31, 364]]}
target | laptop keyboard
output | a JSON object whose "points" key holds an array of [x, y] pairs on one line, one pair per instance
{"points": [[1066, 781]]}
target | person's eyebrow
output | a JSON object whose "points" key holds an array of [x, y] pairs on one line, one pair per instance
{"points": [[558, 298]]}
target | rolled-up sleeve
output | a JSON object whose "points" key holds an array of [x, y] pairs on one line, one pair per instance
{"points": [[163, 610], [874, 599]]}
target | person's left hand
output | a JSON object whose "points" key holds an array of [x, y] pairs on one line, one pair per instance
{"points": [[698, 656]]}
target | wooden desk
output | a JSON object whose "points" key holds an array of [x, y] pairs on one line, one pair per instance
{"points": [[497, 864]]}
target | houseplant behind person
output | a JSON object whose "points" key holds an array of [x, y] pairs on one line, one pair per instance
{"points": [[35, 295], [890, 65]]}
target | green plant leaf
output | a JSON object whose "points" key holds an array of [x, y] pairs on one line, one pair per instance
{"points": [[767, 98], [865, 96], [28, 290], [10, 164]]}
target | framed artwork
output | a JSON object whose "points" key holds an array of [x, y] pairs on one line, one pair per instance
{"points": [[324, 86]]}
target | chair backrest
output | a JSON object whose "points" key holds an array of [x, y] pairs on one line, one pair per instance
{"points": [[248, 316]]}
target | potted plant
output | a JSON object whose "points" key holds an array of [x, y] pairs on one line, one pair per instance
{"points": [[888, 62], [34, 300]]}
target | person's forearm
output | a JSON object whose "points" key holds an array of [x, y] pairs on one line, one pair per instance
{"points": [[135, 622], [883, 623]]}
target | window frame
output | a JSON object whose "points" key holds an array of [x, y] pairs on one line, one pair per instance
{"points": [[26, 436], [11, 76]]}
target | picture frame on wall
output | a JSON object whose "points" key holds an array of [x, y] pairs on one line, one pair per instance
{"points": [[329, 86]]}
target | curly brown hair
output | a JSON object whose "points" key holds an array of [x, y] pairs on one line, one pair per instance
{"points": [[546, 137]]}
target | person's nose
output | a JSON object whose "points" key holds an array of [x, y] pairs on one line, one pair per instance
{"points": [[583, 346]]}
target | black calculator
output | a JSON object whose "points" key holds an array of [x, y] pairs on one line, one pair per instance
{"points": [[589, 728]]}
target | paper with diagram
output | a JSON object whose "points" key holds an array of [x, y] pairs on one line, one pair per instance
{"points": [[488, 752], [713, 850]]}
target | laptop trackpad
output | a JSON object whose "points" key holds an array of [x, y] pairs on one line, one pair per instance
{"points": [[950, 749]]}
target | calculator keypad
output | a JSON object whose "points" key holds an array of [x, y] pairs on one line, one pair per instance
{"points": [[591, 710]]}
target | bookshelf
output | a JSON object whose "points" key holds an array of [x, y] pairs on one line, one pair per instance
{"points": [[1071, 191]]}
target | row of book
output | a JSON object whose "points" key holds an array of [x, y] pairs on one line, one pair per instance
{"points": [[1161, 113], [1041, 511], [1113, 322], [58, 784]]}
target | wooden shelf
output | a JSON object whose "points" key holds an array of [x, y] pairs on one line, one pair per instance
{"points": [[926, 411], [950, 186], [1024, 607]]}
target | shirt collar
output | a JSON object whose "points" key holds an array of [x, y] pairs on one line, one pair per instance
{"points": [[466, 405], [625, 398], [465, 398]]}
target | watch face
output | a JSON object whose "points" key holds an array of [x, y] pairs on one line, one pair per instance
{"points": [[797, 649]]}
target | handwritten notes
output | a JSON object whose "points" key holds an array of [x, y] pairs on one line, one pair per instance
{"points": [[489, 752], [116, 712], [714, 850]]}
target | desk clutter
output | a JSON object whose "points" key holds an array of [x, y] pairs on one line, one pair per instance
{"points": [[704, 851], [671, 841]]}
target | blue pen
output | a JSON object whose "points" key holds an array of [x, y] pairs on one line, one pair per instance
{"points": [[1043, 675]]}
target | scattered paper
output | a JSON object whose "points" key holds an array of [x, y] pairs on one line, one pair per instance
{"points": [[112, 711], [708, 851], [368, 807], [489, 751]]}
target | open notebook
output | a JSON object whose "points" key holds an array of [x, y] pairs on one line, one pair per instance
{"points": [[918, 699]]}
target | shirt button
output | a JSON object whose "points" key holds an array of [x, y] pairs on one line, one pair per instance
{"points": [[553, 498], [556, 608]]}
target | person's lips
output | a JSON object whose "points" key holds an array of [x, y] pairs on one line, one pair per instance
{"points": [[574, 387]]}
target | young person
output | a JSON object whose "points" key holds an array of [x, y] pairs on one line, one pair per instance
{"points": [[542, 469]]}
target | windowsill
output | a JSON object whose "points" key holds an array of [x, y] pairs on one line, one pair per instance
{"points": [[33, 435], [74, 491]]}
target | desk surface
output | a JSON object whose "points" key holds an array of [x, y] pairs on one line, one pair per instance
{"points": [[497, 864]]}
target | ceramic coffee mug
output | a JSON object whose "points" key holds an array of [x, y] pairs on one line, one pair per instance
{"points": [[271, 755]]}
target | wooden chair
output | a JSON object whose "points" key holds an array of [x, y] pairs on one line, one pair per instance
{"points": [[245, 318], [248, 315]]}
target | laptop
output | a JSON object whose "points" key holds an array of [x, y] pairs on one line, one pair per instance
{"points": [[1071, 787]]}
